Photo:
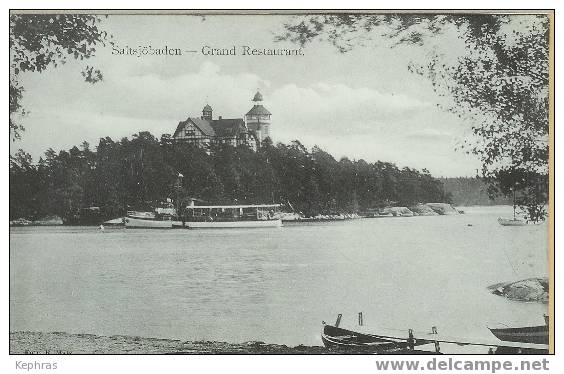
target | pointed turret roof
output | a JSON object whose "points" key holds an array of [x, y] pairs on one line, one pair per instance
{"points": [[258, 109], [258, 96]]}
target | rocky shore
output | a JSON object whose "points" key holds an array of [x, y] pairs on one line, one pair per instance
{"points": [[527, 290], [25, 342]]}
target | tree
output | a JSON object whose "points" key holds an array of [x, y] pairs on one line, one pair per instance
{"points": [[40, 41], [140, 172], [500, 84]]}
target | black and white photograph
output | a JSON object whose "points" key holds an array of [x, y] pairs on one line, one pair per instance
{"points": [[280, 183]]}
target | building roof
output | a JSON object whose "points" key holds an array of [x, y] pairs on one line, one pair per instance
{"points": [[225, 127], [258, 109], [202, 124], [207, 108], [228, 127], [180, 125], [258, 96]]}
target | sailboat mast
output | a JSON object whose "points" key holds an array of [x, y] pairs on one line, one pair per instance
{"points": [[178, 198], [143, 192], [178, 188], [514, 204]]}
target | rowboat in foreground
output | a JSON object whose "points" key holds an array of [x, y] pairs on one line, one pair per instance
{"points": [[361, 339], [528, 334], [347, 340], [532, 334], [336, 338]]}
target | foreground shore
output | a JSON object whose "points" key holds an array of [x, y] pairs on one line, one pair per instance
{"points": [[25, 342]]}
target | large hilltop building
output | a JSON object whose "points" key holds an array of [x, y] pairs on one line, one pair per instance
{"points": [[206, 130]]}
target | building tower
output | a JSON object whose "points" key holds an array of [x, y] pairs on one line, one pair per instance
{"points": [[207, 112], [258, 118]]}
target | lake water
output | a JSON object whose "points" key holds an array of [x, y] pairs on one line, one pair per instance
{"points": [[276, 285]]}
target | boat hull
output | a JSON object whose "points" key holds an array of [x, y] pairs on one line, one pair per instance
{"points": [[533, 334], [136, 223], [234, 224], [511, 222], [116, 221], [338, 339]]}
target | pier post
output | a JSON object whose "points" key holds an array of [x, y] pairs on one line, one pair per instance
{"points": [[338, 322], [437, 345], [410, 340]]}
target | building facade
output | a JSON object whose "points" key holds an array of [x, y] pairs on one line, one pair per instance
{"points": [[258, 118], [205, 130]]}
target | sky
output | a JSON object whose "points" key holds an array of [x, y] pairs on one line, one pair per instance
{"points": [[363, 104]]}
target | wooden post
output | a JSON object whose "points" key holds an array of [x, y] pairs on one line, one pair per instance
{"points": [[410, 340], [437, 346], [338, 322]]}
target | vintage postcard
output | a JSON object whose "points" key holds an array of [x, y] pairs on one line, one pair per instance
{"points": [[281, 182]]}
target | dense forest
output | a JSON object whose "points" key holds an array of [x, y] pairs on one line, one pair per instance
{"points": [[467, 191], [141, 171]]}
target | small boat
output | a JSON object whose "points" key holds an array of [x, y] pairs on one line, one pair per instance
{"points": [[528, 334], [141, 215], [147, 220], [116, 221], [346, 340], [139, 223], [368, 341], [511, 222], [337, 338], [532, 334]]}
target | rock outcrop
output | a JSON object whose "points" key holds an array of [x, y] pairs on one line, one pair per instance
{"points": [[443, 209], [423, 210], [531, 289]]}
